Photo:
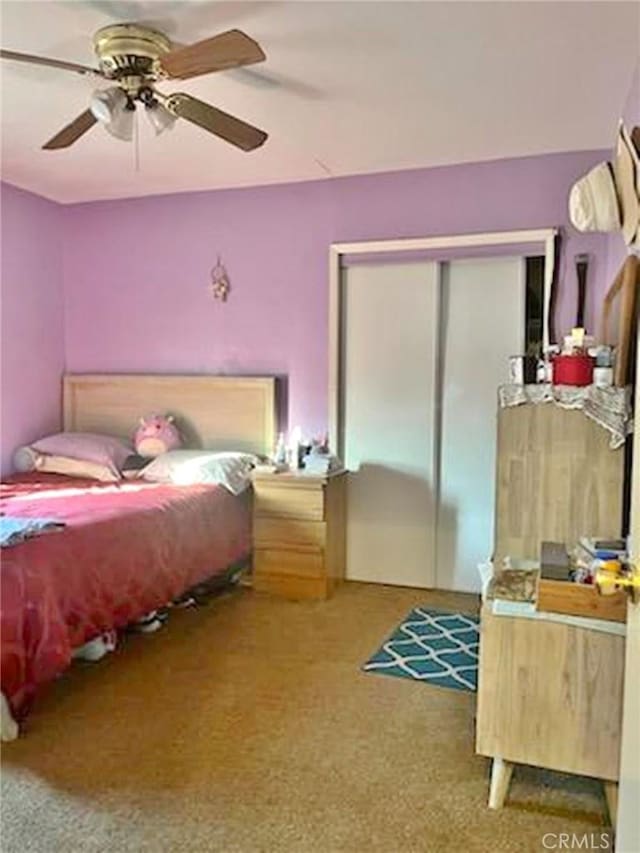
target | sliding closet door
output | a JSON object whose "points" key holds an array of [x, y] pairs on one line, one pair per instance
{"points": [[389, 348], [482, 324]]}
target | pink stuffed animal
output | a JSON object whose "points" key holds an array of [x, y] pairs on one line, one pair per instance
{"points": [[156, 434]]}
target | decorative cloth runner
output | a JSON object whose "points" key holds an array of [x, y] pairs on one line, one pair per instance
{"points": [[609, 407]]}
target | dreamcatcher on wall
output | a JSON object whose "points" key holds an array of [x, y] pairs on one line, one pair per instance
{"points": [[220, 284]]}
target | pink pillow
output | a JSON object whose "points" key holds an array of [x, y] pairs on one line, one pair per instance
{"points": [[89, 447]]}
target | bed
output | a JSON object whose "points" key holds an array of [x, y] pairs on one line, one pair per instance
{"points": [[129, 547]]}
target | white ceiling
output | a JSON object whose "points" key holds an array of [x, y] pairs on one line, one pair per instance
{"points": [[347, 88]]}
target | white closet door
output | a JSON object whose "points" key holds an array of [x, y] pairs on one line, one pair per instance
{"points": [[483, 307], [389, 369]]}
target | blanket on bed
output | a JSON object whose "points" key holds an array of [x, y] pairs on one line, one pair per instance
{"points": [[126, 549], [16, 530]]}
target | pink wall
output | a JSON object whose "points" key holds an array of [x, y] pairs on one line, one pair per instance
{"points": [[32, 319], [136, 271]]}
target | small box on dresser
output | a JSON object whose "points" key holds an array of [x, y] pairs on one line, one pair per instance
{"points": [[298, 533]]}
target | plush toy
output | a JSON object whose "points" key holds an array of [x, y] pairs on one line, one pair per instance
{"points": [[155, 435]]}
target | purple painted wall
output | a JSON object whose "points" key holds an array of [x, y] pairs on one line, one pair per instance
{"points": [[32, 319], [137, 271]]}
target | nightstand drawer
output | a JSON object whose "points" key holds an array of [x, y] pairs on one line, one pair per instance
{"points": [[275, 532], [299, 502], [277, 562], [292, 587]]}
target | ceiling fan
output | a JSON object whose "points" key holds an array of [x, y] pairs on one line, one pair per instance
{"points": [[134, 58]]}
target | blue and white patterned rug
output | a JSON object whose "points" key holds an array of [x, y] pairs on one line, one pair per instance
{"points": [[432, 646]]}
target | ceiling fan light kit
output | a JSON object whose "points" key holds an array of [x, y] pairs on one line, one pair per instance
{"points": [[121, 125], [114, 108], [106, 103], [160, 118], [134, 58]]}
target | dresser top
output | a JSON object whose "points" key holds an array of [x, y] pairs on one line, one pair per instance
{"points": [[297, 476]]}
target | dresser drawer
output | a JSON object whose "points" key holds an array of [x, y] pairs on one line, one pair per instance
{"points": [[295, 563], [303, 503], [292, 587], [278, 532]]}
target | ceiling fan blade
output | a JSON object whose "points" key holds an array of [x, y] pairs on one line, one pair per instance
{"points": [[216, 121], [228, 50], [51, 63], [72, 132]]}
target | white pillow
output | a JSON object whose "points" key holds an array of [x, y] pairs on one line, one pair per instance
{"points": [[28, 459], [191, 467]]}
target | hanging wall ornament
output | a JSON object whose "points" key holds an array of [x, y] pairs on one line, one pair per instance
{"points": [[220, 284]]}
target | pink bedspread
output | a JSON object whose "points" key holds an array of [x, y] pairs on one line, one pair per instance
{"points": [[128, 548]]}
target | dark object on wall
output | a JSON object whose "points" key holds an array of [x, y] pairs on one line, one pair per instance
{"points": [[582, 266], [534, 304], [553, 296]]}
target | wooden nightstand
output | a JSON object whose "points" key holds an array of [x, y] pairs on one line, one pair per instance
{"points": [[298, 533]]}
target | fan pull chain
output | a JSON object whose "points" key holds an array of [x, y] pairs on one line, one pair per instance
{"points": [[136, 140]]}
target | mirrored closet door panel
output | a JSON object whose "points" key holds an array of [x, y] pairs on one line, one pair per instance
{"points": [[424, 346], [389, 349], [482, 323]]}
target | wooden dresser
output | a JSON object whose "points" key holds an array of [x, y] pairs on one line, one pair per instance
{"points": [[298, 533], [550, 692], [557, 480]]}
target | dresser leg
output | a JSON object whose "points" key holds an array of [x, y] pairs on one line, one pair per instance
{"points": [[501, 771], [611, 796]]}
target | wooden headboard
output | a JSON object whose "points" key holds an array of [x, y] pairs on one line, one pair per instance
{"points": [[213, 412]]}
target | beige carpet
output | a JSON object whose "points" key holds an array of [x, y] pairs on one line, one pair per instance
{"points": [[247, 726]]}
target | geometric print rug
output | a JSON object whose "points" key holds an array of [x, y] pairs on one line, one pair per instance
{"points": [[434, 647]]}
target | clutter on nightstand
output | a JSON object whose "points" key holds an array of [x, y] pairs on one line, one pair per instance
{"points": [[320, 461], [298, 455], [586, 582]]}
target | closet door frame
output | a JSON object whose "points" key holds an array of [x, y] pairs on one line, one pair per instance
{"points": [[545, 236]]}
